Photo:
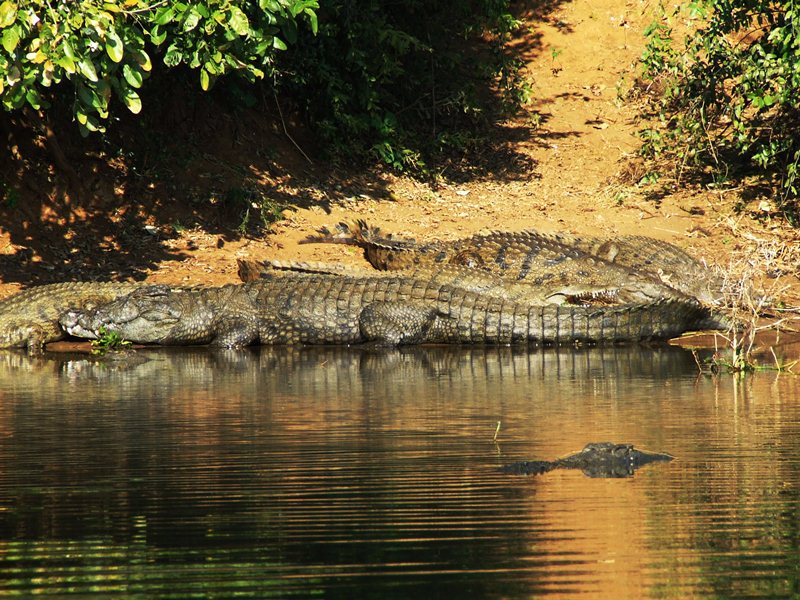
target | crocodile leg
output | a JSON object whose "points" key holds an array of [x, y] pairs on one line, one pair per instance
{"points": [[395, 323]]}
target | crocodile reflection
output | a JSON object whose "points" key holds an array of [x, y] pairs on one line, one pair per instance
{"points": [[391, 373]]}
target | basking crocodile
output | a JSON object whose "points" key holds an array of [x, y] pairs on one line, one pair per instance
{"points": [[331, 309], [643, 267], [599, 459], [474, 280], [30, 317]]}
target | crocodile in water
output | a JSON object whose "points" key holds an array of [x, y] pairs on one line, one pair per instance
{"points": [[599, 459], [331, 309], [639, 266]]}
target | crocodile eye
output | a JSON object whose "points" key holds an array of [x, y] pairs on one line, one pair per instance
{"points": [[621, 449]]}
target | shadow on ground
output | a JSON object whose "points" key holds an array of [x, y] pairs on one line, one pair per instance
{"points": [[107, 207]]}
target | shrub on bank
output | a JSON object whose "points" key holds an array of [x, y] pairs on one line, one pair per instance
{"points": [[397, 80], [729, 89]]}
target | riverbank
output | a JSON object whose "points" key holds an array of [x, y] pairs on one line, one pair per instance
{"points": [[569, 165]]}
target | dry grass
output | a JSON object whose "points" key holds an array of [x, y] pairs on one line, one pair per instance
{"points": [[754, 296]]}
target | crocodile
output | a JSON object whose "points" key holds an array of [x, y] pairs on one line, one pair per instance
{"points": [[641, 265], [29, 319], [333, 309], [474, 280], [598, 459]]}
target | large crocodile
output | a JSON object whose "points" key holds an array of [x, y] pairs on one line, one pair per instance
{"points": [[641, 265], [474, 280], [30, 317], [331, 309], [598, 459]]}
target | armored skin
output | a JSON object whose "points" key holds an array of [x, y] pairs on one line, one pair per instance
{"points": [[29, 319], [501, 288], [332, 309], [474, 280], [641, 267]]}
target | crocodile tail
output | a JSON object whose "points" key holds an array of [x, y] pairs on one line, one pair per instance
{"points": [[358, 233], [373, 236], [718, 321], [250, 270], [355, 234], [253, 270]]}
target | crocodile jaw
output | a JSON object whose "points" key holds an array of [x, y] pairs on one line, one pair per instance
{"points": [[71, 323]]}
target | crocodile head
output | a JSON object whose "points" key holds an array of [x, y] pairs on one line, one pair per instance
{"points": [[598, 459], [607, 459], [146, 315]]}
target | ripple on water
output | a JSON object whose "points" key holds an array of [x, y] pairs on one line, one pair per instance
{"points": [[339, 472]]}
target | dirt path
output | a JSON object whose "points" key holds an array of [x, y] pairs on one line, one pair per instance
{"points": [[577, 141], [581, 135]]}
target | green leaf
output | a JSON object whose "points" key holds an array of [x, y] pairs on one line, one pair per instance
{"points": [[13, 75], [103, 90], [270, 5], [86, 68], [312, 17], [88, 123], [114, 46], [131, 99], [32, 96], [213, 68], [239, 22], [164, 16], [205, 80], [8, 13], [66, 63], [133, 75], [88, 97], [279, 44], [66, 47], [219, 17], [289, 30], [191, 20], [142, 59], [10, 39], [157, 35], [173, 57]]}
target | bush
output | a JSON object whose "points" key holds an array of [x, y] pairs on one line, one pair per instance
{"points": [[730, 90], [104, 50], [398, 79]]}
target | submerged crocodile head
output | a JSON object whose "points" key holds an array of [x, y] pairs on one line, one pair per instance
{"points": [[144, 315], [607, 459], [598, 459]]}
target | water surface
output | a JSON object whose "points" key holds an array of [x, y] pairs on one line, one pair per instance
{"points": [[343, 472]]}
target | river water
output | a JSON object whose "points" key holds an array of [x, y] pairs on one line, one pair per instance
{"points": [[356, 473]]}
